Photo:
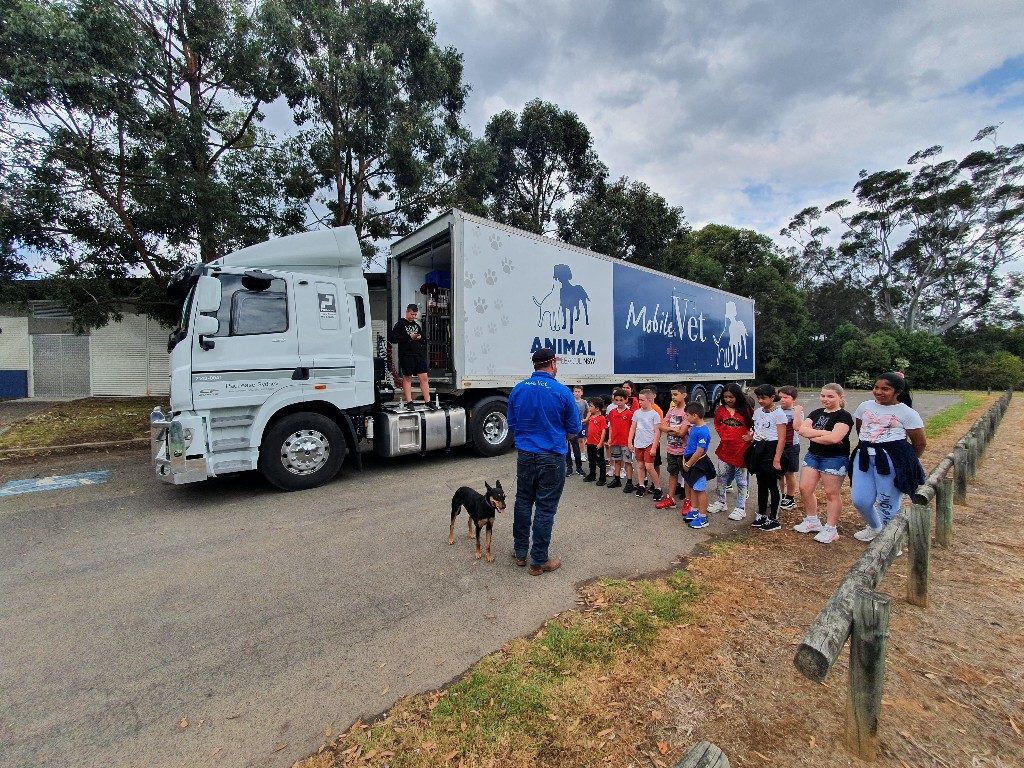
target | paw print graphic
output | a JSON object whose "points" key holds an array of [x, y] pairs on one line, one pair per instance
{"points": [[506, 265], [465, 317], [490, 368], [499, 305], [470, 280], [505, 321], [490, 277], [495, 241], [480, 306], [492, 328], [471, 357]]}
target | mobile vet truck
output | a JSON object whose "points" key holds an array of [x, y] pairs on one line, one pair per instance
{"points": [[277, 362]]}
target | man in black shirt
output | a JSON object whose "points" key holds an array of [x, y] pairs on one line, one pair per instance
{"points": [[412, 353]]}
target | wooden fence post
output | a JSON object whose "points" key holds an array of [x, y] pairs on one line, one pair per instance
{"points": [[867, 672], [960, 474], [972, 455], [919, 539], [704, 755], [944, 511]]}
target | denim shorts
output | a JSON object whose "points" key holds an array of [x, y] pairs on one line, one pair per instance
{"points": [[827, 465]]}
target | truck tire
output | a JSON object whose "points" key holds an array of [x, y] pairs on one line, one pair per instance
{"points": [[699, 395], [301, 450], [489, 430]]}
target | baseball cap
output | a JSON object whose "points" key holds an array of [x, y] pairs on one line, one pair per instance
{"points": [[543, 355]]}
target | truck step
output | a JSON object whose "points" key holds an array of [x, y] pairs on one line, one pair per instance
{"points": [[226, 467], [220, 422], [231, 444]]}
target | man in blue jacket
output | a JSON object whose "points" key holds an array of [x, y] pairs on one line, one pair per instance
{"points": [[541, 412]]}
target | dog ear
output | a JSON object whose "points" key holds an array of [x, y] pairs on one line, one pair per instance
{"points": [[487, 486], [497, 484]]}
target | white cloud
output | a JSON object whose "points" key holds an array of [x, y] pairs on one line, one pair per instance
{"points": [[745, 112]]}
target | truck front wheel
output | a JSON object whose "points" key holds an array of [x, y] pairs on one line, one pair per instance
{"points": [[301, 450], [489, 429]]}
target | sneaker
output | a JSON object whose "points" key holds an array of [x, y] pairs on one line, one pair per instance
{"points": [[602, 481], [580, 472], [738, 514], [867, 534], [689, 516], [788, 502], [715, 507], [615, 483], [771, 524], [759, 520], [589, 479], [656, 494], [827, 535], [686, 507], [699, 521], [810, 524], [665, 503], [628, 487], [568, 472], [640, 491]]}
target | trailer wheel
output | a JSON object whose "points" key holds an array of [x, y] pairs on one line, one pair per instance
{"points": [[302, 450], [489, 429], [716, 392], [699, 395]]}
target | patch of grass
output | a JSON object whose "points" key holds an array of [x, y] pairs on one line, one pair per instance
{"points": [[514, 702], [724, 547], [90, 420], [947, 418]]}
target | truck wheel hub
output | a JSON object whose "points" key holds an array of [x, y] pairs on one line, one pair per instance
{"points": [[495, 428], [305, 451]]}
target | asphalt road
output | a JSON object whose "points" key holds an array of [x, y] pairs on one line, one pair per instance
{"points": [[262, 618]]}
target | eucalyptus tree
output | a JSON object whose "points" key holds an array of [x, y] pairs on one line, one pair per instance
{"points": [[624, 218], [543, 158], [379, 103], [134, 138], [931, 244]]}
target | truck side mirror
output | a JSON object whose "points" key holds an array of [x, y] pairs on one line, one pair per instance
{"points": [[206, 326], [208, 294]]}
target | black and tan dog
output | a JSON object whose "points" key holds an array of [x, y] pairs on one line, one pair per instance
{"points": [[481, 513]]}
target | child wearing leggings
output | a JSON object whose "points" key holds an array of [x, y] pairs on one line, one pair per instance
{"points": [[765, 456]]}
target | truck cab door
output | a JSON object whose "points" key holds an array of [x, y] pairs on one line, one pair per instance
{"points": [[254, 352], [334, 339]]}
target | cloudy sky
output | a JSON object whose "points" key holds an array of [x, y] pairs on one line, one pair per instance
{"points": [[742, 112]]}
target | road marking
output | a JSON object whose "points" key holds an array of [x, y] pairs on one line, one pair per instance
{"points": [[54, 483]]}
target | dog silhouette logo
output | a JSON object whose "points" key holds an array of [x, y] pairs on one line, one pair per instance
{"points": [[734, 336]]}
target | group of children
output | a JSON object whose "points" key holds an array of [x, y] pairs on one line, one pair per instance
{"points": [[763, 441]]}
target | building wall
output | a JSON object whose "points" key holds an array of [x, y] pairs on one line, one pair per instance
{"points": [[129, 358], [15, 357]]}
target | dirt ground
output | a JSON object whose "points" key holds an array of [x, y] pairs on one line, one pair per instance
{"points": [[954, 691]]}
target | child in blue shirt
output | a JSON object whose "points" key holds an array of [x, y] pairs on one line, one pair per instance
{"points": [[697, 467]]}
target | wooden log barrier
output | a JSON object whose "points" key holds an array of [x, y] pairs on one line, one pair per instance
{"points": [[919, 539], [960, 474], [826, 636], [704, 755], [871, 613], [944, 512]]}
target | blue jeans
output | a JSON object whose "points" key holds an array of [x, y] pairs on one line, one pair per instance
{"points": [[540, 478], [869, 487]]}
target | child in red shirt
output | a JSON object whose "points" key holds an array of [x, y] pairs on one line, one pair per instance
{"points": [[733, 420], [596, 424], [620, 419]]}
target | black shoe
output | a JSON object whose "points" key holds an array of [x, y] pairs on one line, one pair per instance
{"points": [[629, 487], [568, 472], [615, 483], [771, 524], [656, 494], [640, 490], [589, 479], [602, 481], [759, 520]]}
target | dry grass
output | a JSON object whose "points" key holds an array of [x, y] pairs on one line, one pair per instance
{"points": [[93, 419]]}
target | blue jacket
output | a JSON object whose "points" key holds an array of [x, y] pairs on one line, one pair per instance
{"points": [[541, 413], [892, 456]]}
